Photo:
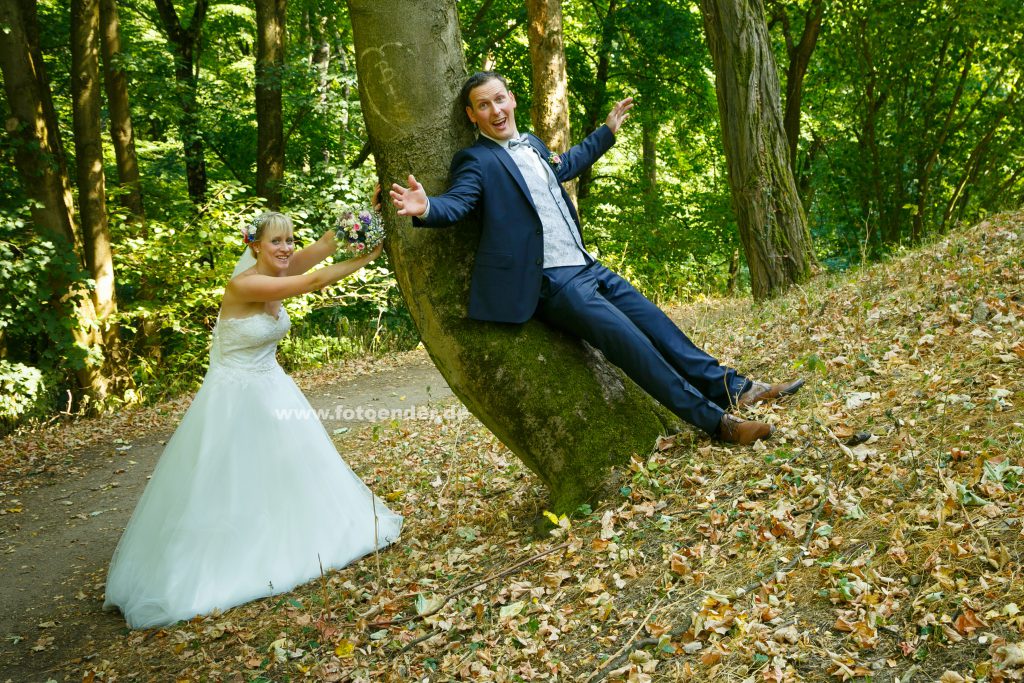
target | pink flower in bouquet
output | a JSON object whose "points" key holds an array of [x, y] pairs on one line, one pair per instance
{"points": [[362, 230]]}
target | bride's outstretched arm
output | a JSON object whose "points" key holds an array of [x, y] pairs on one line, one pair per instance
{"points": [[270, 288], [304, 259]]}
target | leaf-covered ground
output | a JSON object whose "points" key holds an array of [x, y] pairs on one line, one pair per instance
{"points": [[877, 536]]}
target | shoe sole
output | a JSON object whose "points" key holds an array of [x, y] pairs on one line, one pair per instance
{"points": [[789, 391], [793, 389]]}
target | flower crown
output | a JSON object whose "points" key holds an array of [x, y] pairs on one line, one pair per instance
{"points": [[250, 228]]}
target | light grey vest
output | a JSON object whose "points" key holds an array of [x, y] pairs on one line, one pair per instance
{"points": [[562, 245]]}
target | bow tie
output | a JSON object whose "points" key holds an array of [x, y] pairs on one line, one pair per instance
{"points": [[518, 142]]}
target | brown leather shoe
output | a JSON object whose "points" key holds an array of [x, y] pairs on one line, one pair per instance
{"points": [[733, 429], [759, 391]]}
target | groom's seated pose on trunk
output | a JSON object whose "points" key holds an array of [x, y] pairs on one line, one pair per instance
{"points": [[532, 261]]}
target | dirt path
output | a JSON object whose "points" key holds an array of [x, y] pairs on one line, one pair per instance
{"points": [[54, 554]]}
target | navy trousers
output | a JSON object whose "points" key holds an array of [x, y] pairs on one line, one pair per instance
{"points": [[600, 307]]}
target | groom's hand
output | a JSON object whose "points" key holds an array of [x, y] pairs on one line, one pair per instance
{"points": [[618, 114], [410, 201]]}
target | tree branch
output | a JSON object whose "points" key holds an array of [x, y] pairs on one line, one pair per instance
{"points": [[465, 589]]}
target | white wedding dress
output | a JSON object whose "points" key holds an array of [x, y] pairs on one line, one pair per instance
{"points": [[250, 497]]}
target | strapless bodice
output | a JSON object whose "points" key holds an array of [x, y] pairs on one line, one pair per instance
{"points": [[248, 344]]}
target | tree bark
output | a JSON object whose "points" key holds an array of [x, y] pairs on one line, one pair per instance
{"points": [[320, 60], [772, 226], [121, 134], [561, 408], [270, 49], [39, 157], [550, 111], [185, 44], [595, 103], [41, 166], [99, 258], [799, 57]]}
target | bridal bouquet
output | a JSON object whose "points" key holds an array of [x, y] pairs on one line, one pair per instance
{"points": [[363, 230]]}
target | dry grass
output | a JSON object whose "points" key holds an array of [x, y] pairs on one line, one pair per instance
{"points": [[800, 559]]}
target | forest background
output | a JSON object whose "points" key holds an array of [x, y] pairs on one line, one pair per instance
{"points": [[903, 121]]}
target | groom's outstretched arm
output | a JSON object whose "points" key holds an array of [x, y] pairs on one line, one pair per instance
{"points": [[409, 201], [443, 210], [583, 155]]}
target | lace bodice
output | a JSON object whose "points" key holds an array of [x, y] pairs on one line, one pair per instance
{"points": [[248, 344]]}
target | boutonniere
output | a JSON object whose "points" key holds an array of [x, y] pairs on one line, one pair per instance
{"points": [[554, 160]]}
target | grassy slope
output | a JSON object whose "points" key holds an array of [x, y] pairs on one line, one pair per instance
{"points": [[803, 559]]}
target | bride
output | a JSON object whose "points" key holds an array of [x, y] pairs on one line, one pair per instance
{"points": [[249, 497]]}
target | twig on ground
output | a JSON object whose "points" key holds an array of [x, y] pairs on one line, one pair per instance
{"points": [[464, 589], [639, 628], [416, 641]]}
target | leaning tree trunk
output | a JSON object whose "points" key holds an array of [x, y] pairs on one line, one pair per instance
{"points": [[560, 407], [85, 101], [121, 134], [771, 219], [550, 111], [270, 42]]}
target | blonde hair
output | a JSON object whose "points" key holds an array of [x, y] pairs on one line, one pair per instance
{"points": [[271, 222]]}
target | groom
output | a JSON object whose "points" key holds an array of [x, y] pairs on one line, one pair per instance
{"points": [[532, 261]]}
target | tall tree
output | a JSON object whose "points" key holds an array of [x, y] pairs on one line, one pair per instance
{"points": [[115, 81], [270, 52], [919, 106], [568, 430], [550, 111], [771, 219], [185, 44], [798, 53], [320, 61], [596, 98], [99, 258], [649, 156], [42, 169], [661, 57], [39, 157]]}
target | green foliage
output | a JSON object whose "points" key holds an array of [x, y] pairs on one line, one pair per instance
{"points": [[37, 350], [914, 108], [911, 118], [23, 392], [362, 314]]}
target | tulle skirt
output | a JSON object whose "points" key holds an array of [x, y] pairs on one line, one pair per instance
{"points": [[250, 498]]}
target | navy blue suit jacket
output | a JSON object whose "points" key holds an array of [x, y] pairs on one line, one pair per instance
{"points": [[510, 259]]}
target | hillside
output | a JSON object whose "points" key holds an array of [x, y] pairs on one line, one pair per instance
{"points": [[877, 536]]}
